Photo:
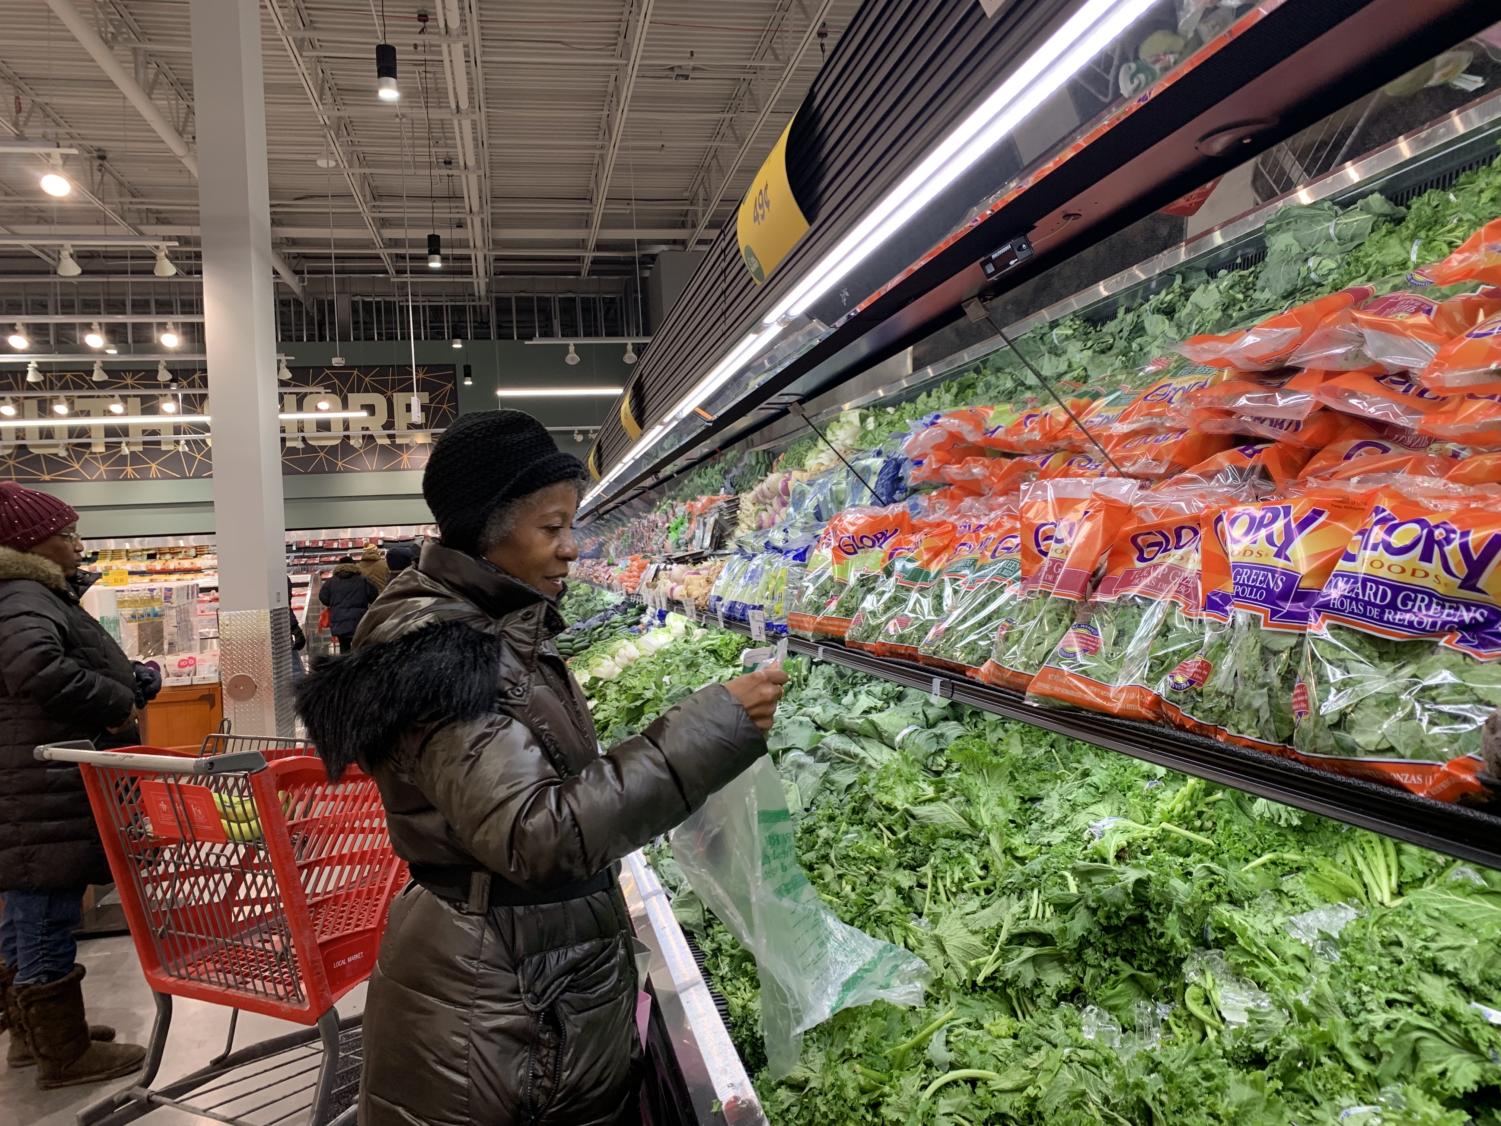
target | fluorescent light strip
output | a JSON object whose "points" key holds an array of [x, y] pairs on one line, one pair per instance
{"points": [[157, 419], [1041, 75], [556, 392], [305, 416]]}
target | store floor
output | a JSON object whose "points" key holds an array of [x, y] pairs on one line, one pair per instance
{"points": [[117, 994]]}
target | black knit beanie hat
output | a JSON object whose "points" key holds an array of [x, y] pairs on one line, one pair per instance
{"points": [[483, 460]]}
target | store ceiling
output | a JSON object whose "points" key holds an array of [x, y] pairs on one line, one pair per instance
{"points": [[566, 138]]}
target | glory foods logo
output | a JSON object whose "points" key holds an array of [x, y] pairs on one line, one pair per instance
{"points": [[1277, 526], [1413, 548], [1153, 543]]}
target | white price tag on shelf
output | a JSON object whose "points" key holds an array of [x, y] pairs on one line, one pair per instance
{"points": [[757, 619], [935, 693], [721, 615]]}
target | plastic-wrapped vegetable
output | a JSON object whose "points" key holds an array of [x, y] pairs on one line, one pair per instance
{"points": [[980, 594], [1142, 620], [1263, 566], [1274, 395], [1067, 529], [1315, 431], [892, 622], [843, 567], [1271, 343], [1403, 659], [1166, 401]]}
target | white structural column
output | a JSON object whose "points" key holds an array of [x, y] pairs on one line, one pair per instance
{"points": [[240, 334]]}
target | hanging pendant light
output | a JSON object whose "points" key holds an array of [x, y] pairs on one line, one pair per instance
{"points": [[116, 406], [283, 372], [61, 408], [67, 265], [385, 73], [8, 408], [97, 375], [162, 374], [94, 338], [53, 182], [33, 373], [169, 337], [167, 406], [164, 267], [630, 356], [434, 252], [18, 339], [573, 358]]}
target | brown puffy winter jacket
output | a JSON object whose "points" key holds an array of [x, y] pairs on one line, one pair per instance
{"points": [[456, 698]]}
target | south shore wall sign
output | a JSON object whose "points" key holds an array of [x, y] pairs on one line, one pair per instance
{"points": [[390, 438]]}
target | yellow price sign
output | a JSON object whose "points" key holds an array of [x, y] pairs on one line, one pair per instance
{"points": [[770, 222]]}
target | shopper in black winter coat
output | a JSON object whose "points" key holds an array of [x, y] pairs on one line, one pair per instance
{"points": [[62, 677], [348, 594]]}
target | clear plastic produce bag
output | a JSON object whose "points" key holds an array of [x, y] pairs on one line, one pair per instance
{"points": [[739, 854]]}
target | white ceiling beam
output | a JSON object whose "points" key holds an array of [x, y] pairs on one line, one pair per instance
{"points": [[311, 88], [810, 36], [52, 234], [100, 52], [624, 86], [456, 82]]}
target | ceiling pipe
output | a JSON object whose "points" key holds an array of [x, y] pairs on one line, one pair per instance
{"points": [[100, 52]]}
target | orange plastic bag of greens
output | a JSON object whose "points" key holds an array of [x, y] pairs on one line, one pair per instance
{"points": [[1271, 343], [894, 624], [1477, 259], [1396, 398], [851, 549], [1088, 463], [1339, 457], [1470, 420], [1468, 364], [1102, 418], [1405, 331], [1141, 621], [1478, 469], [986, 475], [1165, 401], [1402, 666], [1161, 453], [1314, 432], [981, 580], [1035, 430], [912, 560], [942, 439], [1274, 395], [1252, 469], [1263, 565], [1068, 527]]}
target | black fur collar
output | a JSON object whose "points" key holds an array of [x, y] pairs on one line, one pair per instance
{"points": [[356, 707]]}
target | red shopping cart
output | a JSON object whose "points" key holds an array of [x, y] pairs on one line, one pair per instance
{"points": [[248, 880]]}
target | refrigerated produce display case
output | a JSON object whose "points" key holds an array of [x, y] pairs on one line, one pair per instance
{"points": [[1201, 823]]}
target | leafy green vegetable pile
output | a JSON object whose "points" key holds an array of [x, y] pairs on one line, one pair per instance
{"points": [[1112, 943]]}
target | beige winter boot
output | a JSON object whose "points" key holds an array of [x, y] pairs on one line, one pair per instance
{"points": [[52, 1016]]}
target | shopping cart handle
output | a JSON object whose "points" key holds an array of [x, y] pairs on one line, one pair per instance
{"points": [[82, 751]]}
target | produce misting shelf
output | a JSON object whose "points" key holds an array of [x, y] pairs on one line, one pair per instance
{"points": [[1466, 832]]}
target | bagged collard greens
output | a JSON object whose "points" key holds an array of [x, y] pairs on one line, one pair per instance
{"points": [[843, 567], [912, 563], [1142, 620], [1401, 667], [981, 581], [1068, 526], [1263, 565]]}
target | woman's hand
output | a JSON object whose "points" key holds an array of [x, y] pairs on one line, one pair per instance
{"points": [[758, 693]]}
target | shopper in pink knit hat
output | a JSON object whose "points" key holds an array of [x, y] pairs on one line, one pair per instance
{"points": [[62, 677]]}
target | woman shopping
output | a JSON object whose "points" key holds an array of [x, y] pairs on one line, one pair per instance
{"points": [[506, 987], [62, 677]]}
